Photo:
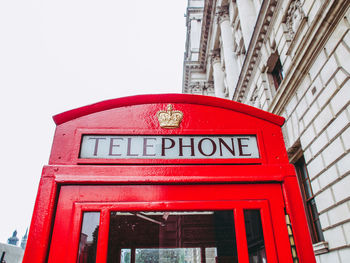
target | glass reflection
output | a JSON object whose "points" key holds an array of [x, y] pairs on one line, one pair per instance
{"points": [[88, 238], [255, 237], [172, 237]]}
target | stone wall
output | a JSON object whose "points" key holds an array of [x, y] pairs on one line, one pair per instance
{"points": [[318, 115], [311, 40], [317, 111], [13, 254]]}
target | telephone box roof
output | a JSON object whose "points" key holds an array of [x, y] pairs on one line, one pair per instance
{"points": [[167, 98]]}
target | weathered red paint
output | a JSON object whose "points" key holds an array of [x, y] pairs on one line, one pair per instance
{"points": [[269, 182]]}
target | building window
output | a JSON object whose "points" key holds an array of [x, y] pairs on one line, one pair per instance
{"points": [[277, 73], [309, 201]]}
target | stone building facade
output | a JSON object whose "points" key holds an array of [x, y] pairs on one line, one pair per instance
{"points": [[291, 58], [11, 253]]}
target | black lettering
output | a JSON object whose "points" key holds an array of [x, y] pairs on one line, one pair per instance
{"points": [[129, 149], [181, 146], [201, 149], [112, 145], [172, 144], [231, 150], [241, 146], [145, 146], [97, 140]]}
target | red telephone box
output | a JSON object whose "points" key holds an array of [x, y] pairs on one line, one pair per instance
{"points": [[168, 178]]}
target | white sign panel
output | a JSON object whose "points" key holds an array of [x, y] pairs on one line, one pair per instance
{"points": [[169, 147]]}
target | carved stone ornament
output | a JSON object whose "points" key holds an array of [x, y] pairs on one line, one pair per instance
{"points": [[215, 56], [222, 14], [208, 90], [170, 118], [295, 15]]}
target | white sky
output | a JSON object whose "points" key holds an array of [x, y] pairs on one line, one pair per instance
{"points": [[63, 54]]}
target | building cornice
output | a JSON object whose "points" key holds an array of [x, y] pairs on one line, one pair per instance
{"points": [[258, 37], [208, 19]]}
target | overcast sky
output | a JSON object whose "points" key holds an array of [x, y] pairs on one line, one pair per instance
{"points": [[63, 54]]}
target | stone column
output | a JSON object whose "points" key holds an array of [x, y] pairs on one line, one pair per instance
{"points": [[232, 70], [195, 37], [247, 16], [218, 75]]}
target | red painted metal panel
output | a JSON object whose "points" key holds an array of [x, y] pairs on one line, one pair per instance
{"points": [[242, 179], [41, 224], [102, 245], [75, 199], [242, 247], [295, 209], [166, 98], [199, 118], [148, 174]]}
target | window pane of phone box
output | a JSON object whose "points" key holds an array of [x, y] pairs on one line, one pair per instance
{"points": [[255, 237], [172, 237], [88, 237]]}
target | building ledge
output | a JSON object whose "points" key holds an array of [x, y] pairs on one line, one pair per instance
{"points": [[320, 247]]}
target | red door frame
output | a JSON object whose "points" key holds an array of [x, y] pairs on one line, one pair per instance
{"points": [[74, 200], [135, 115]]}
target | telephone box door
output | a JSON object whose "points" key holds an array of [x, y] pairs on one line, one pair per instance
{"points": [[171, 223]]}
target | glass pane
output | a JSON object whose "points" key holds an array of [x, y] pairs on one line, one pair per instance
{"points": [[210, 254], [172, 237], [168, 255], [318, 234], [88, 238], [319, 230], [125, 256], [255, 237], [307, 187]]}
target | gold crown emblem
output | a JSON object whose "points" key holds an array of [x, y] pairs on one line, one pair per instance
{"points": [[170, 118]]}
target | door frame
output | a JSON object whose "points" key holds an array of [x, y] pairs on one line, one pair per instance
{"points": [[75, 200]]}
